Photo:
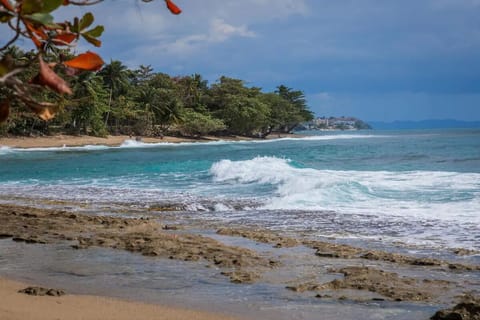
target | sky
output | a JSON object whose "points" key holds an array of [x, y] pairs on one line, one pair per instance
{"points": [[379, 60]]}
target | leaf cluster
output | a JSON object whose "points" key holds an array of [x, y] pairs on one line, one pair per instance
{"points": [[34, 20]]}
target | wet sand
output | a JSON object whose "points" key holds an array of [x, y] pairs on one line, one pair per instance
{"points": [[19, 306]]}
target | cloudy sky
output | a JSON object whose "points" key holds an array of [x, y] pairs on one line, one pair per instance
{"points": [[374, 59]]}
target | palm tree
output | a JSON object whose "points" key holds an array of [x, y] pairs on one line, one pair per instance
{"points": [[191, 91], [89, 103], [14, 52], [115, 78], [143, 73]]}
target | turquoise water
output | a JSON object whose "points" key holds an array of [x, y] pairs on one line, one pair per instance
{"points": [[420, 187]]}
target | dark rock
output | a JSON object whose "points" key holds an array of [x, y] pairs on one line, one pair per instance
{"points": [[29, 215], [27, 239], [424, 262], [39, 291], [169, 227], [327, 254], [465, 252], [370, 256], [456, 266], [467, 310], [239, 276], [303, 287]]}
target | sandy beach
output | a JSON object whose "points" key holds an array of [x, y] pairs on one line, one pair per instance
{"points": [[18, 306], [75, 141]]}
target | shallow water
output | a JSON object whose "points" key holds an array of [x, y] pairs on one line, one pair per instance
{"points": [[418, 187], [134, 277], [415, 192]]}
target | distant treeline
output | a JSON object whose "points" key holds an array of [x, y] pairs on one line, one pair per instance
{"points": [[119, 100]]}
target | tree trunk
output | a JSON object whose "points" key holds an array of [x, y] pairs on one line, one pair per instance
{"points": [[266, 133], [109, 106]]}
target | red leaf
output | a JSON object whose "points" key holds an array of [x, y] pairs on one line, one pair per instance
{"points": [[7, 5], [47, 77], [37, 42], [86, 61], [4, 111], [44, 110], [173, 7], [64, 39], [38, 31], [35, 34]]}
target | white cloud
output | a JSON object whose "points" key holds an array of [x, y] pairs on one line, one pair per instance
{"points": [[143, 32], [219, 31]]}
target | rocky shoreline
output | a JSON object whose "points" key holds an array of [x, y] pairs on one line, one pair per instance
{"points": [[336, 271]]}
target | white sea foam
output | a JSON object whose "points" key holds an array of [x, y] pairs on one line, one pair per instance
{"points": [[422, 194], [5, 150], [324, 137], [127, 144], [130, 143], [339, 137], [222, 207]]}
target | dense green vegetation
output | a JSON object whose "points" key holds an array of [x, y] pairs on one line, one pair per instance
{"points": [[118, 100]]}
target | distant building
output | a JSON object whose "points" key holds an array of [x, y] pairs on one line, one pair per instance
{"points": [[320, 122], [334, 123]]}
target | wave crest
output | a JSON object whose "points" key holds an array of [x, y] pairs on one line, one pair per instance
{"points": [[419, 193]]}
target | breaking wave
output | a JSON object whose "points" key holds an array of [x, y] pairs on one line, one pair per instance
{"points": [[426, 194]]}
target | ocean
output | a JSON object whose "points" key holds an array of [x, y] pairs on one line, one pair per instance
{"points": [[416, 189]]}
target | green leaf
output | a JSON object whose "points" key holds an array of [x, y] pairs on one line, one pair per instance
{"points": [[95, 32], [43, 18], [6, 65], [74, 26], [43, 6], [51, 5], [92, 40], [32, 6], [5, 16], [86, 21], [3, 69]]}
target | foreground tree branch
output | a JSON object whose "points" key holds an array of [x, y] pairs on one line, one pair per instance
{"points": [[34, 20]]}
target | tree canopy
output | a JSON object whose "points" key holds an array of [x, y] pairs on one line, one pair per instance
{"points": [[83, 95], [120, 100]]}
